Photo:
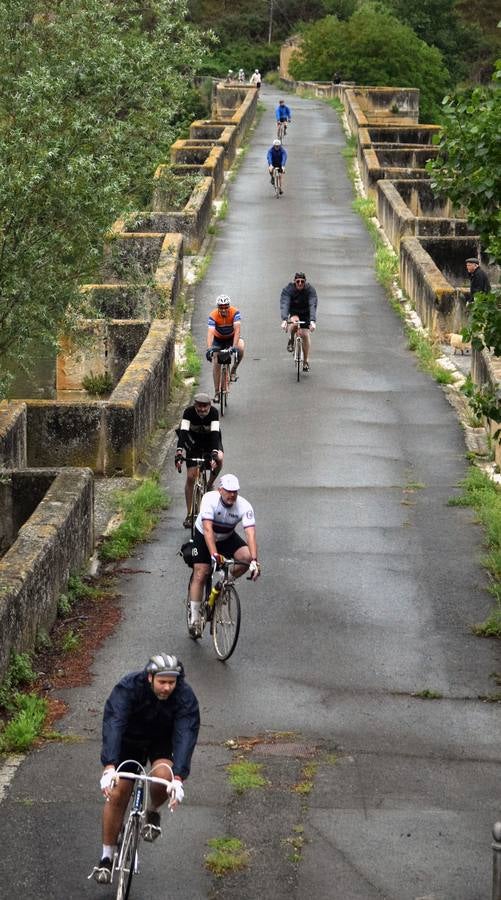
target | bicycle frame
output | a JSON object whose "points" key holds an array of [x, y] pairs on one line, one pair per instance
{"points": [[138, 806], [298, 356], [221, 612], [281, 129], [200, 486], [277, 181], [222, 358]]}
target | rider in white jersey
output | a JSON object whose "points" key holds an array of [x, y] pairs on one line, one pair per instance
{"points": [[215, 539]]}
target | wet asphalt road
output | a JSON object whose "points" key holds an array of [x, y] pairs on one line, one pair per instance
{"points": [[368, 589]]}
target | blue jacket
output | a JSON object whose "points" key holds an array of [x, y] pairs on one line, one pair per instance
{"points": [[276, 156], [132, 711], [283, 112]]}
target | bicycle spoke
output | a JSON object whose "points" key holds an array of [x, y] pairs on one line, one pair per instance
{"points": [[226, 622]]}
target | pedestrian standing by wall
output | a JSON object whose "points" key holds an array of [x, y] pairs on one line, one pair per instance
{"points": [[479, 282]]}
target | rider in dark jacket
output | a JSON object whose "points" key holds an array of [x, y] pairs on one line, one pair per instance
{"points": [[298, 303]]}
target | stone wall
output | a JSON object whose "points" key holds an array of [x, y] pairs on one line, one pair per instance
{"points": [[409, 207], [56, 540], [225, 136], [12, 434]]}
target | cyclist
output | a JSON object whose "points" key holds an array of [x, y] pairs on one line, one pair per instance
{"points": [[215, 539], [199, 435], [276, 158], [255, 78], [298, 302], [223, 333], [283, 114], [241, 76], [150, 715]]}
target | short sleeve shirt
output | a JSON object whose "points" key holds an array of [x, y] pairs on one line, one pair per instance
{"points": [[224, 518]]}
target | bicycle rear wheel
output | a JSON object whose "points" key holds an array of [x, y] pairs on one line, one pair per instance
{"points": [[226, 622], [127, 858], [223, 388]]}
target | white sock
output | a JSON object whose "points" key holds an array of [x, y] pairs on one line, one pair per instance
{"points": [[195, 611], [108, 851]]}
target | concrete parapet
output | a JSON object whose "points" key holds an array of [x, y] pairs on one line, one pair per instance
{"points": [[226, 136], [409, 207], [372, 170], [12, 434], [235, 105], [430, 275], [126, 301], [104, 347], [192, 221], [107, 435], [486, 371], [56, 540], [190, 157], [398, 134], [139, 399]]}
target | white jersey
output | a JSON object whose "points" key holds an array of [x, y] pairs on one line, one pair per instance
{"points": [[224, 518]]}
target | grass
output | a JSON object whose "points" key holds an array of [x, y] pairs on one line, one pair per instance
{"points": [[192, 364], [295, 844], [25, 725], [428, 352], [98, 385], [427, 694], [75, 591], [19, 674], [245, 776], [70, 641], [227, 855], [305, 786], [223, 209], [202, 268], [140, 514], [484, 496]]}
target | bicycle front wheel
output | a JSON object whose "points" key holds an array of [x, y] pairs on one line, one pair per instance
{"points": [[298, 357], [127, 858], [223, 388], [226, 622]]}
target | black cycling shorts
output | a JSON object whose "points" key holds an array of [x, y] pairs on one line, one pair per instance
{"points": [[228, 547], [206, 454], [222, 343], [145, 750]]}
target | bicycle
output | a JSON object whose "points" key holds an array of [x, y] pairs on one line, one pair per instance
{"points": [[225, 363], [276, 181], [281, 129], [220, 609], [200, 486], [298, 357], [126, 858]]}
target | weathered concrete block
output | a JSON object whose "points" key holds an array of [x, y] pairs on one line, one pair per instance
{"points": [[192, 221], [124, 301], [203, 160], [20, 493], [56, 540], [225, 136], [130, 256], [372, 170], [409, 207], [65, 433], [398, 134], [12, 434]]}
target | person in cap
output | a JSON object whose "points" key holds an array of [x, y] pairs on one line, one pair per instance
{"points": [[298, 303], [223, 333], [276, 158], [255, 78], [199, 435], [479, 282], [216, 538], [151, 715]]}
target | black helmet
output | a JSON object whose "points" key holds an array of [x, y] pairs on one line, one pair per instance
{"points": [[163, 664]]}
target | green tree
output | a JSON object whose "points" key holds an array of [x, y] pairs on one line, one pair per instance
{"points": [[91, 96], [468, 170], [437, 23], [373, 47]]}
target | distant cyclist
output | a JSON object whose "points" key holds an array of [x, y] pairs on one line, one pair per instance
{"points": [[223, 333], [255, 78], [276, 158], [150, 715], [199, 435], [283, 114], [298, 303]]}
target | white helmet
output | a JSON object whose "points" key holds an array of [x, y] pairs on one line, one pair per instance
{"points": [[223, 300], [277, 143]]}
